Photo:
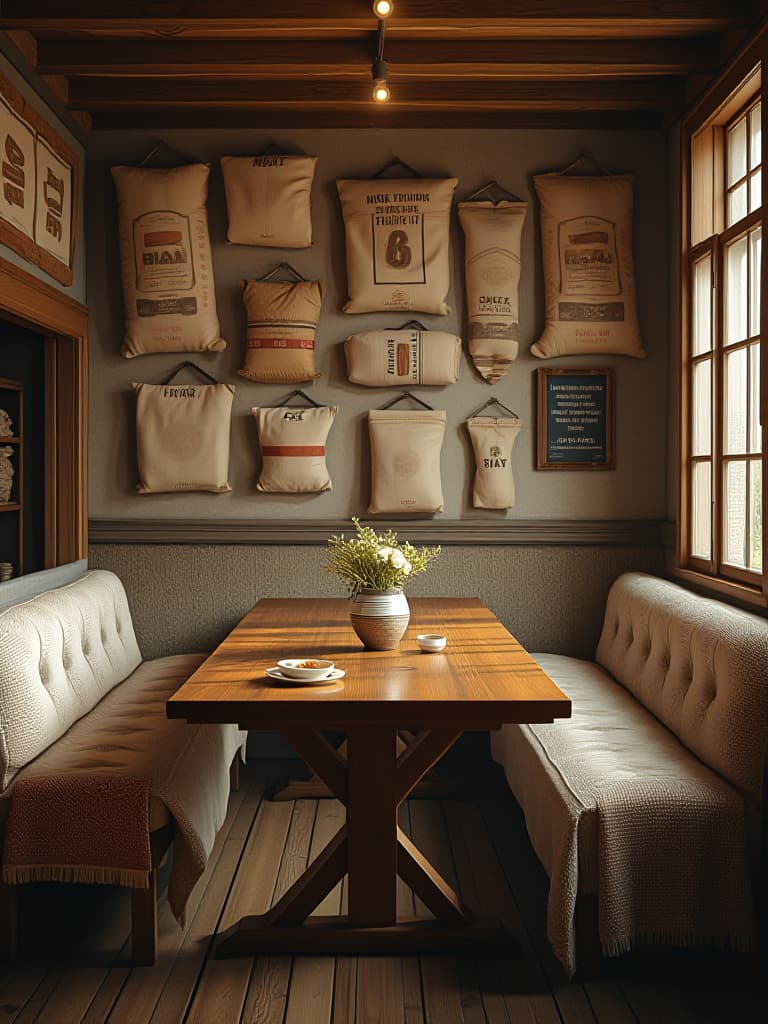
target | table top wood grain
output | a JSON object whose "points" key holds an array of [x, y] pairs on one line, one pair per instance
{"points": [[483, 679]]}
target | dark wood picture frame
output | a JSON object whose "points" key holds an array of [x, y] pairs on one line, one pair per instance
{"points": [[544, 459], [11, 235]]}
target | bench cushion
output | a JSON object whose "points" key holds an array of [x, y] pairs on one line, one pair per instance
{"points": [[699, 666], [60, 653], [128, 733], [616, 806]]}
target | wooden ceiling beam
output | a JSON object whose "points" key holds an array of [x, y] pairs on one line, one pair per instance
{"points": [[210, 94], [408, 58], [415, 18], [160, 118]]}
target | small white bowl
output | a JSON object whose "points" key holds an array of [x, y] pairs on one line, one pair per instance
{"points": [[431, 643], [295, 668]]}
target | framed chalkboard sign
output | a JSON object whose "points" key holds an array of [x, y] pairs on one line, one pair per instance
{"points": [[575, 419]]}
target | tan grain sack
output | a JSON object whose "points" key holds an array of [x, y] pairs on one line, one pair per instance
{"points": [[589, 279], [292, 443], [492, 263], [405, 460], [268, 200], [410, 356], [280, 339], [492, 441], [165, 254], [182, 436], [397, 243]]}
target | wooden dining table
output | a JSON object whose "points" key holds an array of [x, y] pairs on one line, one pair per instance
{"points": [[483, 679]]}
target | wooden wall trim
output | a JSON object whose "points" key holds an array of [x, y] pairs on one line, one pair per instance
{"points": [[467, 532]]}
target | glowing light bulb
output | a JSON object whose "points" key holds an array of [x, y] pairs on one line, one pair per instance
{"points": [[383, 8], [380, 91]]}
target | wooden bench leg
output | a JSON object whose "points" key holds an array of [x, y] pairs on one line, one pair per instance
{"points": [[8, 921], [144, 922], [234, 774], [588, 952]]}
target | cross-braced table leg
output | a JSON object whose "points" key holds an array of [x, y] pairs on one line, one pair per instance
{"points": [[370, 848]]}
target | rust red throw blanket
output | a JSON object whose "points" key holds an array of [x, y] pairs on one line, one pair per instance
{"points": [[64, 828]]}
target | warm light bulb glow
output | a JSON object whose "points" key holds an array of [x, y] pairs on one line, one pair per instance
{"points": [[382, 8], [380, 92]]}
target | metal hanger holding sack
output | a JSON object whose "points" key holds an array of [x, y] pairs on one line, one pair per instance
{"points": [[298, 394], [282, 268], [188, 364], [493, 184], [162, 144], [417, 324], [397, 162], [585, 158], [493, 401], [408, 394]]}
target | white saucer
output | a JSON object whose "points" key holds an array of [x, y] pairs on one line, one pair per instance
{"points": [[333, 675]]}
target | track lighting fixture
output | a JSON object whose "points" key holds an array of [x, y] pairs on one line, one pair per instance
{"points": [[380, 70], [383, 8]]}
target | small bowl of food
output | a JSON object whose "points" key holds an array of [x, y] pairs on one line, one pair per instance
{"points": [[305, 668], [431, 643]]}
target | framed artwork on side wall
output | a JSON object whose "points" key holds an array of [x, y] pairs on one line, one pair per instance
{"points": [[574, 419], [38, 195]]}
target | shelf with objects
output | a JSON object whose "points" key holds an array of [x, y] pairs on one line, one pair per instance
{"points": [[11, 479]]}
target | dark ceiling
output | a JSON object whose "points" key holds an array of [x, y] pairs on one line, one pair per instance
{"points": [[572, 63]]}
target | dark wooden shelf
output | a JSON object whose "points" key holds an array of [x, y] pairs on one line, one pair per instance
{"points": [[10, 506], [10, 440]]}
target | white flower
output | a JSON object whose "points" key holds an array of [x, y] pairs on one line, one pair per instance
{"points": [[407, 568], [397, 559], [383, 554]]}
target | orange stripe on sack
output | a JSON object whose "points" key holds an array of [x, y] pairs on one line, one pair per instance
{"points": [[281, 343], [293, 450]]}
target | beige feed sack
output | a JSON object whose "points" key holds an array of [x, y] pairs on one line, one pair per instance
{"points": [[406, 356], [292, 443], [182, 436], [589, 278], [405, 460], [268, 199], [492, 441], [397, 243], [492, 233], [165, 255], [280, 339]]}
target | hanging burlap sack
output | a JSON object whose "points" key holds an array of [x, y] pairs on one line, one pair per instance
{"points": [[397, 243], [589, 278], [492, 262], [268, 199], [182, 436], [381, 359], [280, 339], [292, 443], [492, 441], [405, 460], [165, 254]]}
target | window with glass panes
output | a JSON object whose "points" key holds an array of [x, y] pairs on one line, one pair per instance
{"points": [[725, 464]]}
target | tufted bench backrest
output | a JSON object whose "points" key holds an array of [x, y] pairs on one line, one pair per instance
{"points": [[699, 666], [60, 653]]}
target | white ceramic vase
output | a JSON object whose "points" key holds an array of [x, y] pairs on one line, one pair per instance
{"points": [[380, 618]]}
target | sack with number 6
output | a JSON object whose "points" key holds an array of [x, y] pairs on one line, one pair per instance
{"points": [[397, 243]]}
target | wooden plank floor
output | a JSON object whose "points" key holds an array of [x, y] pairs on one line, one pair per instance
{"points": [[73, 965]]}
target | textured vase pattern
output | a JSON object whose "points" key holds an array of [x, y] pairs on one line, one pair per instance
{"points": [[380, 618]]}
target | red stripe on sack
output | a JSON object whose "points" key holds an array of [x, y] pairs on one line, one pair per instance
{"points": [[288, 450], [281, 343]]}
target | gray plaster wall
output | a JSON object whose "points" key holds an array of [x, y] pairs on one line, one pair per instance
{"points": [[187, 597], [637, 487]]}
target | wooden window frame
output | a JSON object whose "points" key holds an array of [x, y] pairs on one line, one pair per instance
{"points": [[703, 233]]}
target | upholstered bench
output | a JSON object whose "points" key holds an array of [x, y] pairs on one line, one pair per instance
{"points": [[646, 808], [95, 780]]}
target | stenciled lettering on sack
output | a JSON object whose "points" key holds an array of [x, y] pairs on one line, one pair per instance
{"points": [[14, 176], [494, 461], [268, 161], [179, 391], [293, 416]]}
